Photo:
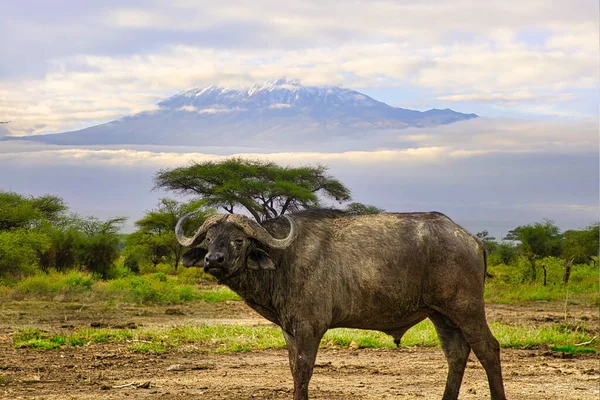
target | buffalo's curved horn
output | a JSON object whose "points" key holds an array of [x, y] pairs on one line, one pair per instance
{"points": [[199, 235], [256, 231]]}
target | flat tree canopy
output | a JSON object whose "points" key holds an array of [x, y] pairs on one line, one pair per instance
{"points": [[264, 189]]}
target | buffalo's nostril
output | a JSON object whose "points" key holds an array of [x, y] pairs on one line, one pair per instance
{"points": [[214, 259]]}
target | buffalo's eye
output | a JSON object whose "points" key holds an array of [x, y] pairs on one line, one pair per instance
{"points": [[239, 242]]}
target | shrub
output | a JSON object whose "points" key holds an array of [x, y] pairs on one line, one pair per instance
{"points": [[156, 288], [159, 276], [190, 276], [76, 282], [55, 283], [19, 250], [40, 286]]}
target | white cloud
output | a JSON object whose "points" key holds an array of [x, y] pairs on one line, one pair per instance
{"points": [[132, 157], [507, 98], [134, 18], [488, 187], [505, 135], [576, 40], [478, 138], [451, 48]]}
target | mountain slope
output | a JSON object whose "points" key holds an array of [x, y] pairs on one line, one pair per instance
{"points": [[260, 115]]}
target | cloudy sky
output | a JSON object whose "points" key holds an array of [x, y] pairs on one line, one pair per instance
{"points": [[528, 67]]}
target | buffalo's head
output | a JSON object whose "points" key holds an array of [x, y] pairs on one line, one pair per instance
{"points": [[227, 243]]}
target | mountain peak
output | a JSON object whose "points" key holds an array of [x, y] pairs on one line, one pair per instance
{"points": [[269, 85], [279, 93], [278, 84], [276, 110]]}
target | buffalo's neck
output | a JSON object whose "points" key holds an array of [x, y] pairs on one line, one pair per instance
{"points": [[257, 289]]}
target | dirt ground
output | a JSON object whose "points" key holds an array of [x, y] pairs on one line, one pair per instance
{"points": [[111, 371]]}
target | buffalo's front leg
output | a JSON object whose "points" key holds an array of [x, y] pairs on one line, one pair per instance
{"points": [[302, 348]]}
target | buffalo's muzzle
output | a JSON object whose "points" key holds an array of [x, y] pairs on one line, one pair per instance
{"points": [[214, 260]]}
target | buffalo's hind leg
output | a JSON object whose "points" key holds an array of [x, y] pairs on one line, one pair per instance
{"points": [[456, 348], [487, 349], [475, 329]]}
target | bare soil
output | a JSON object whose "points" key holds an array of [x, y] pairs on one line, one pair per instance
{"points": [[111, 371]]}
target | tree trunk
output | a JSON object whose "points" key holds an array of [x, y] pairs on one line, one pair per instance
{"points": [[568, 265], [533, 271], [545, 273]]}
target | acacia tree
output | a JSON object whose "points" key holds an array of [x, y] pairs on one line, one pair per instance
{"points": [[539, 240], [18, 211], [98, 248], [23, 239], [146, 245], [363, 209], [489, 242], [581, 246], [264, 189], [66, 237], [506, 252], [155, 236], [19, 249]]}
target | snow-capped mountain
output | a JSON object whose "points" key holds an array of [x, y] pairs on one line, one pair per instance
{"points": [[264, 114], [271, 95]]}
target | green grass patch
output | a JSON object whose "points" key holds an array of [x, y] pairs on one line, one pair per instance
{"points": [[227, 339], [528, 337], [37, 339], [510, 285], [217, 294], [153, 288], [100, 335], [574, 350], [148, 348], [219, 338]]}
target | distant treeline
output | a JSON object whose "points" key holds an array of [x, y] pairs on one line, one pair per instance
{"points": [[40, 234]]}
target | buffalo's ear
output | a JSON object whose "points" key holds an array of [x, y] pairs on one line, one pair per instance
{"points": [[194, 257], [259, 259]]}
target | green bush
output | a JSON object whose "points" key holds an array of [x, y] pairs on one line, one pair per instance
{"points": [[159, 276], [193, 275], [19, 250], [39, 286], [76, 282], [50, 285], [166, 269], [156, 288]]}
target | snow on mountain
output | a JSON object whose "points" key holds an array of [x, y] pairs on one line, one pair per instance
{"points": [[277, 111], [271, 94]]}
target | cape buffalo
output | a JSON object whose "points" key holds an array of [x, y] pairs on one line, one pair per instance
{"points": [[321, 269]]}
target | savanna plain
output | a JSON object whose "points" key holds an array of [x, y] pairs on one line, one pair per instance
{"points": [[177, 334]]}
